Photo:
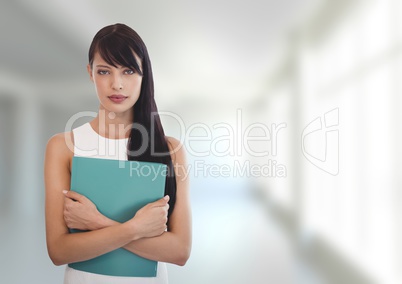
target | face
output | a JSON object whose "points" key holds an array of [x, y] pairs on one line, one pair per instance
{"points": [[118, 88]]}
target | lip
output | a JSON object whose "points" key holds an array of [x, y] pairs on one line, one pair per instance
{"points": [[117, 98]]}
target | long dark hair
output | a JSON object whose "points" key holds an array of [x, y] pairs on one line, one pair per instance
{"points": [[117, 45]]}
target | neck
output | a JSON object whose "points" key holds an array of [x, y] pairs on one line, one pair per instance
{"points": [[113, 125]]}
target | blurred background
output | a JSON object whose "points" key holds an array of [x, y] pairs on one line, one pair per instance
{"points": [[289, 111]]}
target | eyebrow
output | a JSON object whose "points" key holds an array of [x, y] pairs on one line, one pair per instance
{"points": [[108, 67], [103, 66]]}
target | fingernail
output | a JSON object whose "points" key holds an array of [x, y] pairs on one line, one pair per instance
{"points": [[65, 191], [166, 197]]}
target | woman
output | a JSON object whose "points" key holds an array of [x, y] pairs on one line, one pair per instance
{"points": [[120, 68]]}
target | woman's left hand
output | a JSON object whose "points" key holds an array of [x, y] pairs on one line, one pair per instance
{"points": [[81, 213]]}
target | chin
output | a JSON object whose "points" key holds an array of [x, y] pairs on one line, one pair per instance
{"points": [[116, 108]]}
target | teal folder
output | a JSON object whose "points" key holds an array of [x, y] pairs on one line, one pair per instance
{"points": [[118, 189]]}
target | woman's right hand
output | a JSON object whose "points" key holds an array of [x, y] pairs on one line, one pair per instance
{"points": [[150, 220]]}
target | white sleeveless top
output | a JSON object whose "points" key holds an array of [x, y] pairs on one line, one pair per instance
{"points": [[88, 143]]}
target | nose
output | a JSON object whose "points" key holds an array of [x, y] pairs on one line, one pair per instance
{"points": [[117, 83]]}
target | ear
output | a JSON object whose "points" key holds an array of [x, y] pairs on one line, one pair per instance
{"points": [[89, 69]]}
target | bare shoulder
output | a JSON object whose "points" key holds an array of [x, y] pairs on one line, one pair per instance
{"points": [[173, 142], [61, 142], [60, 146], [176, 149]]}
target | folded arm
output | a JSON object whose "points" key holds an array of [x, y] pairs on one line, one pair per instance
{"points": [[145, 234], [66, 248], [171, 246]]}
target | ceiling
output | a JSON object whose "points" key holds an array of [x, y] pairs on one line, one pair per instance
{"points": [[202, 51]]}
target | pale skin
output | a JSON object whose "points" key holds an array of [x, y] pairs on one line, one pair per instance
{"points": [[149, 233]]}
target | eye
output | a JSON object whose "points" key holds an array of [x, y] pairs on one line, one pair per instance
{"points": [[129, 71], [103, 72]]}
